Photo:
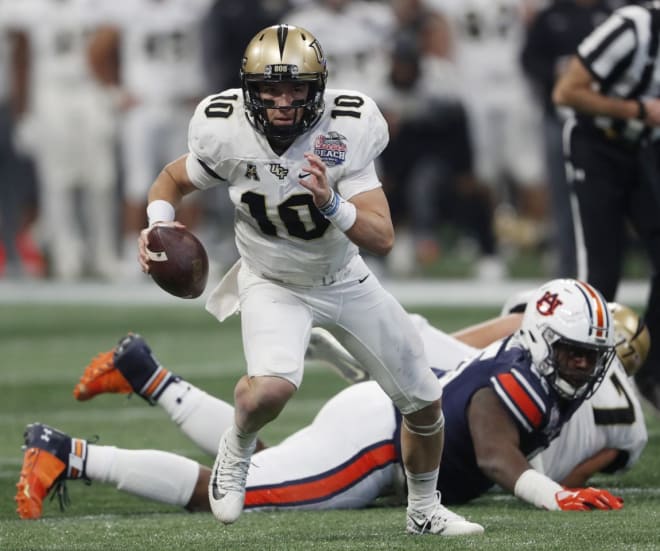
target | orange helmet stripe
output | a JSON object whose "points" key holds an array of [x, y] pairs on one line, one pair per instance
{"points": [[599, 309]]}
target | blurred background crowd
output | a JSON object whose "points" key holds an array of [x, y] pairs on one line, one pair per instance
{"points": [[95, 98]]}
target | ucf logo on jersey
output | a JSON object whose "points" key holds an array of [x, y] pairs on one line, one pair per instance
{"points": [[278, 170]]}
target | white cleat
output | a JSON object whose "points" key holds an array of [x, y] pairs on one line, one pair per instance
{"points": [[323, 347], [440, 521], [227, 483]]}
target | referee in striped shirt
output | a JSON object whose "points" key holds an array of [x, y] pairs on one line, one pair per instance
{"points": [[612, 153]]}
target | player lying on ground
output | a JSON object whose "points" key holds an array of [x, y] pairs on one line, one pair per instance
{"points": [[607, 433], [499, 412]]}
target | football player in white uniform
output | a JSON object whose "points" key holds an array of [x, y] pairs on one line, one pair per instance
{"points": [[158, 81], [69, 128], [356, 57], [332, 463], [299, 164], [487, 36]]}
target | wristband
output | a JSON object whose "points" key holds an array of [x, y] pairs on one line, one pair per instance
{"points": [[339, 212], [160, 211], [641, 114], [537, 489]]}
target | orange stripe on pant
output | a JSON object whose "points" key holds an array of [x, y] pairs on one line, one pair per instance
{"points": [[324, 485]]}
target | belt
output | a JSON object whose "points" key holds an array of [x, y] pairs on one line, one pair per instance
{"points": [[616, 136], [303, 280]]}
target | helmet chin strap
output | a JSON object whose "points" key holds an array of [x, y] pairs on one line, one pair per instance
{"points": [[566, 389]]}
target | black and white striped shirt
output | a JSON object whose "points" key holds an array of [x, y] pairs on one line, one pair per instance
{"points": [[621, 55]]}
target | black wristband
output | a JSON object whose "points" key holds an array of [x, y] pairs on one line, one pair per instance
{"points": [[641, 114]]}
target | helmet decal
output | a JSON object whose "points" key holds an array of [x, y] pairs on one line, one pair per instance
{"points": [[282, 33], [547, 304], [597, 309]]}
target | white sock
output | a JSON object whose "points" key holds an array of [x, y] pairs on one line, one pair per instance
{"points": [[202, 417], [161, 476], [421, 490], [241, 443]]}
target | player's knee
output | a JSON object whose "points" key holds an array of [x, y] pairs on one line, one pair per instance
{"points": [[263, 396], [427, 421]]}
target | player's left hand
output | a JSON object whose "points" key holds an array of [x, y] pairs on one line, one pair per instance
{"points": [[586, 499], [316, 179]]}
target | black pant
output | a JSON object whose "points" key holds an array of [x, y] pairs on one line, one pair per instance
{"points": [[616, 183]]}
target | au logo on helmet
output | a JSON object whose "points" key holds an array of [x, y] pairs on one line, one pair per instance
{"points": [[548, 303]]}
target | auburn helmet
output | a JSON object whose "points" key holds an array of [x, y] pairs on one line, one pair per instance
{"points": [[569, 315], [631, 337], [283, 53]]}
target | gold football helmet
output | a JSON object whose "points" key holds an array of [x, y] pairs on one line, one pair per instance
{"points": [[631, 337], [277, 54]]}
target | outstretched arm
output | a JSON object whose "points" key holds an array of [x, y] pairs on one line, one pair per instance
{"points": [[496, 444], [487, 332], [496, 440]]}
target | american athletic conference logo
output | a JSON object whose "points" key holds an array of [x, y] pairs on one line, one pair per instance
{"points": [[331, 148]]}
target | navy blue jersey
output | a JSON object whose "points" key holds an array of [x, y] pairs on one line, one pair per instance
{"points": [[534, 406]]}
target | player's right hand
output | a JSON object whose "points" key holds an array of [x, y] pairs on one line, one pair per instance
{"points": [[586, 499], [143, 243]]}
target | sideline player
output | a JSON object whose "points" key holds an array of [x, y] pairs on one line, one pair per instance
{"points": [[149, 54], [67, 122], [321, 467]]}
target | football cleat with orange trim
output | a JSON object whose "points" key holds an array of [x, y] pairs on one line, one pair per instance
{"points": [[440, 521], [129, 367], [50, 458], [101, 376]]}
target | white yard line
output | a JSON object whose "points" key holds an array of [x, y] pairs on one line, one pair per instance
{"points": [[411, 293]]}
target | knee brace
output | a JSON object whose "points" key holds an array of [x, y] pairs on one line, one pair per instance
{"points": [[426, 430]]}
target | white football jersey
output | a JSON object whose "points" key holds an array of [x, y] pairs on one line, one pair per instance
{"points": [[611, 418], [58, 32], [357, 55], [279, 232], [160, 47], [487, 39]]}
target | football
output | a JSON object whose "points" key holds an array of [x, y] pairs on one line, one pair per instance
{"points": [[178, 261]]}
